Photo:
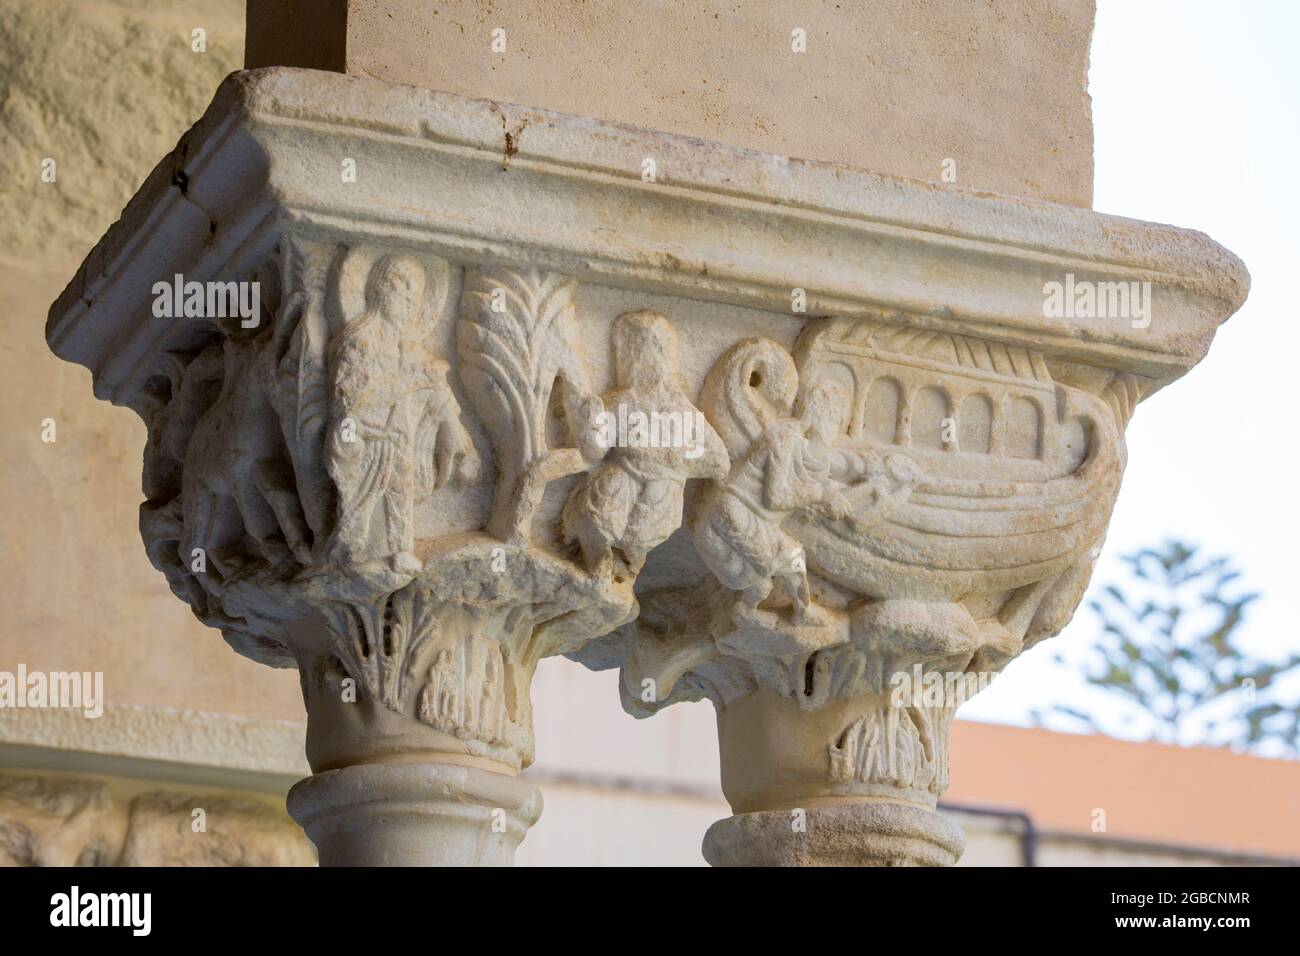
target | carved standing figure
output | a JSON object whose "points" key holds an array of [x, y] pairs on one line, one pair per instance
{"points": [[656, 439], [394, 428]]}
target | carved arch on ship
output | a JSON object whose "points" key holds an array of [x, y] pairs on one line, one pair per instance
{"points": [[1048, 481]]}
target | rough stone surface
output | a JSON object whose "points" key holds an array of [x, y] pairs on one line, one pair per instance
{"points": [[896, 87], [102, 88], [59, 820], [237, 831]]}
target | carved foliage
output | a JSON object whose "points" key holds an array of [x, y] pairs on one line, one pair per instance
{"points": [[903, 747], [520, 353]]}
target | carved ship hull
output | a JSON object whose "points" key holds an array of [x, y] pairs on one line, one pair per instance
{"points": [[1017, 473]]}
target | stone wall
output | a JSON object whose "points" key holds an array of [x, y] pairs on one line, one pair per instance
{"points": [[103, 88]]}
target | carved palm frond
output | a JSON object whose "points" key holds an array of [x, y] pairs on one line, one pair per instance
{"points": [[301, 392], [513, 333], [517, 340]]}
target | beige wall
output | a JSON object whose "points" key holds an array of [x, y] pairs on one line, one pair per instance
{"points": [[105, 89], [893, 86]]}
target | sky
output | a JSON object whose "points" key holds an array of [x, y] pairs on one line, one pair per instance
{"points": [[1196, 110]]}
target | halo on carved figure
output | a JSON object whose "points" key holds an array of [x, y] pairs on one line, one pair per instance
{"points": [[360, 270]]}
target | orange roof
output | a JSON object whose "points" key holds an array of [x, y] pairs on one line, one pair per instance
{"points": [[1191, 796]]}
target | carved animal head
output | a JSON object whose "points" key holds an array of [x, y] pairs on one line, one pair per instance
{"points": [[752, 385]]}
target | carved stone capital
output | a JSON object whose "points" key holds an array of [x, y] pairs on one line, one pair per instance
{"points": [[501, 392], [906, 512], [332, 492]]}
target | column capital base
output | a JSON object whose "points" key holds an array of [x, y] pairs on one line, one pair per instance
{"points": [[415, 814], [858, 834]]}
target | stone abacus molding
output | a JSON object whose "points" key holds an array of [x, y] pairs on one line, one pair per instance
{"points": [[393, 480]]}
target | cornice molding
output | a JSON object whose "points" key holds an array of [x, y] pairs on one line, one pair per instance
{"points": [[160, 743], [475, 181]]}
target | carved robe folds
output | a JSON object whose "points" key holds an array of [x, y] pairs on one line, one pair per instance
{"points": [[406, 480], [395, 528]]}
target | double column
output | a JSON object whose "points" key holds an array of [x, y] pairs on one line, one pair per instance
{"points": [[416, 426], [337, 493]]}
